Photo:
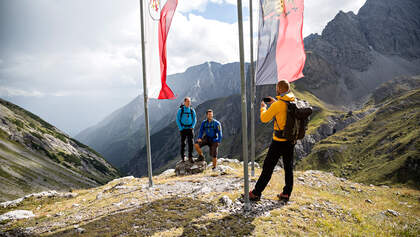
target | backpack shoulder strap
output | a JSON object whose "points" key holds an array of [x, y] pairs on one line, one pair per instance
{"points": [[182, 111]]}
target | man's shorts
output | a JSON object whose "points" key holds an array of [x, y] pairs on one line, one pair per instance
{"points": [[213, 146]]}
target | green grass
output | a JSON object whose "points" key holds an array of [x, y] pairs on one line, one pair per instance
{"points": [[70, 158], [324, 210], [378, 149]]}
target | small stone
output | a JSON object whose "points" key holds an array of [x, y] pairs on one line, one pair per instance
{"points": [[225, 200], [58, 214], [394, 213], [168, 172], [76, 205], [99, 196], [368, 201], [80, 230], [301, 179], [205, 190], [118, 204]]}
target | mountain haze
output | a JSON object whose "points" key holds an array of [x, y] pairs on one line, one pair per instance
{"points": [[119, 136]]}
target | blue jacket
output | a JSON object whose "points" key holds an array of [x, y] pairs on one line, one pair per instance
{"points": [[188, 120], [213, 130]]}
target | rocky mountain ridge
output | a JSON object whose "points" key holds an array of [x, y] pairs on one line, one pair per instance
{"points": [[357, 53], [381, 148], [36, 156]]}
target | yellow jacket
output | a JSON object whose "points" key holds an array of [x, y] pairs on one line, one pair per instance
{"points": [[279, 110]]}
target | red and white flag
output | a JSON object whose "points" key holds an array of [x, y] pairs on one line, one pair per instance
{"points": [[281, 53], [157, 21]]}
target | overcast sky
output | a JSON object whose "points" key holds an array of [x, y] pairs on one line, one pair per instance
{"points": [[75, 61]]}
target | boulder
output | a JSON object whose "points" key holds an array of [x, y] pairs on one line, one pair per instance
{"points": [[186, 167], [17, 215]]}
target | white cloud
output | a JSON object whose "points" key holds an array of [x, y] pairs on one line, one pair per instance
{"points": [[79, 48], [319, 13], [188, 5], [10, 92]]}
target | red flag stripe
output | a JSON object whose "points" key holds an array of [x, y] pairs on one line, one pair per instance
{"points": [[166, 16]]}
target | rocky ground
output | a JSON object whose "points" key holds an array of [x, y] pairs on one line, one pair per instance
{"points": [[210, 204]]}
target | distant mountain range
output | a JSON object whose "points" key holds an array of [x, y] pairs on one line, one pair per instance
{"points": [[344, 67], [354, 55], [119, 136], [36, 156]]}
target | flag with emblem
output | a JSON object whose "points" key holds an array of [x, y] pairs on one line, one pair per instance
{"points": [[281, 52], [157, 17]]}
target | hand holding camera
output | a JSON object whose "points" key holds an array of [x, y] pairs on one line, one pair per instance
{"points": [[268, 100]]}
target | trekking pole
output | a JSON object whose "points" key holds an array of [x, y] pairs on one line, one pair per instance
{"points": [[251, 30], [244, 111], [146, 109]]}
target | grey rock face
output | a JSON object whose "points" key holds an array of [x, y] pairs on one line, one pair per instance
{"points": [[333, 124], [357, 53], [392, 27]]}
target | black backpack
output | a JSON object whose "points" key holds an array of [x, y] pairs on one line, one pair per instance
{"points": [[298, 115], [182, 114]]}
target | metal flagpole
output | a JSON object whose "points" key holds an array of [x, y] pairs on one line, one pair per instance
{"points": [[252, 91], [244, 112], [146, 110]]}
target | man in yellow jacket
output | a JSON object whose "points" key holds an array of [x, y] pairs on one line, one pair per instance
{"points": [[279, 146]]}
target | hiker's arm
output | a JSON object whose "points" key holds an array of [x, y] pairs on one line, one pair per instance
{"points": [[219, 133], [194, 118], [268, 114], [200, 134], [178, 119]]}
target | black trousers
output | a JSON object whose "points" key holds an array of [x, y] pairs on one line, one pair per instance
{"points": [[187, 134], [277, 149]]}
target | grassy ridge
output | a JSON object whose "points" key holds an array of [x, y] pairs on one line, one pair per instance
{"points": [[383, 148]]}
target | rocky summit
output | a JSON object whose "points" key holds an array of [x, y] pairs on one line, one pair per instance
{"points": [[210, 204]]}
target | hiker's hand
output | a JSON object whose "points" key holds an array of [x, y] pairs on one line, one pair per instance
{"points": [[199, 140], [263, 105], [272, 100]]}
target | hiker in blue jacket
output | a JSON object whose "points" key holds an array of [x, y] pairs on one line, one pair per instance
{"points": [[186, 120], [210, 135]]}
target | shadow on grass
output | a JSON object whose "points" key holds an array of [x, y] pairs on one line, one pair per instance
{"points": [[174, 216]]}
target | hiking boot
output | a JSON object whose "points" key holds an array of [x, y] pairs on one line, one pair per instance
{"points": [[201, 158], [183, 158], [253, 197], [283, 197], [213, 168], [190, 159]]}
